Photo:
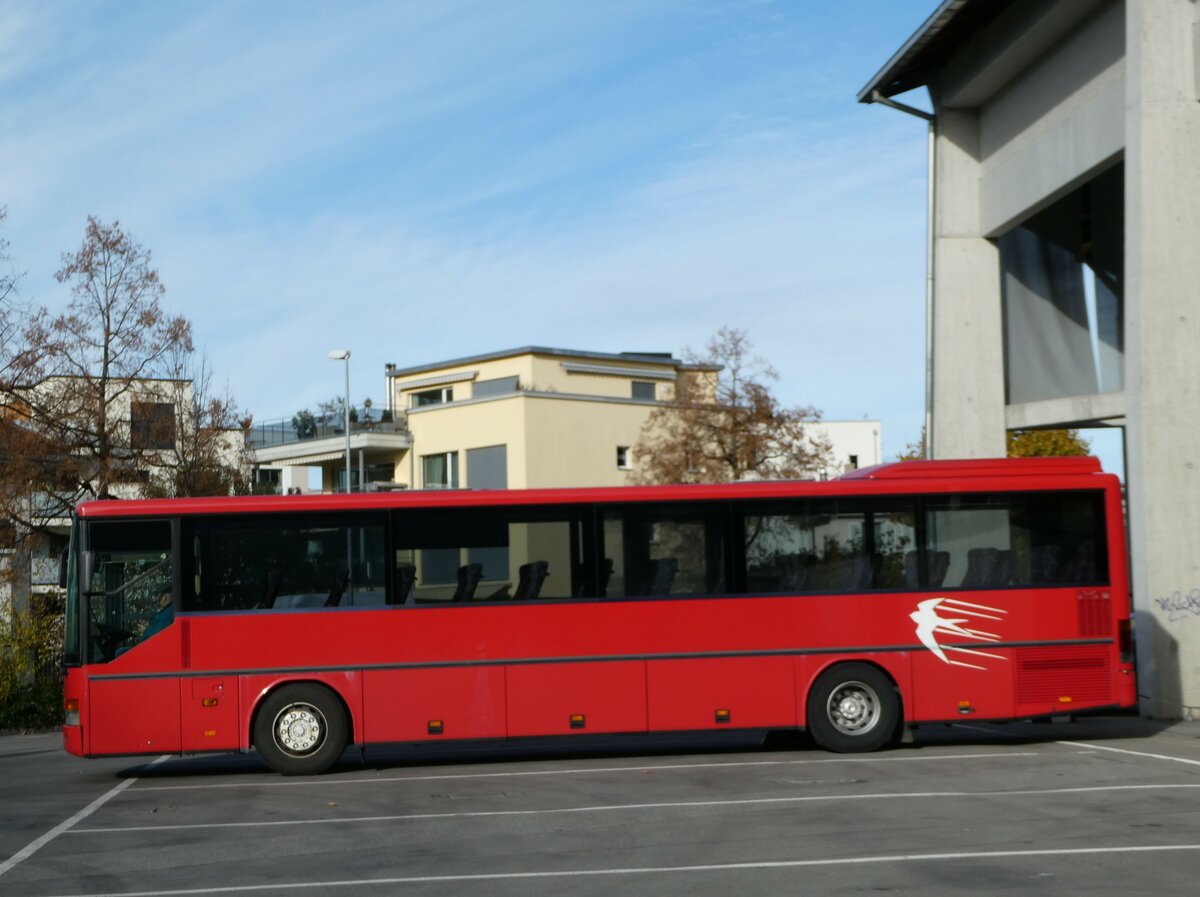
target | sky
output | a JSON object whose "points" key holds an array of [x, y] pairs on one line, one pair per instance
{"points": [[417, 182]]}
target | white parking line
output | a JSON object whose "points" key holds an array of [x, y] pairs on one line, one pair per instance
{"points": [[334, 780], [1104, 747], [34, 846], [653, 870], [609, 808]]}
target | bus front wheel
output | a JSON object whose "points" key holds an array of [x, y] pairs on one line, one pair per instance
{"points": [[853, 707], [300, 730]]}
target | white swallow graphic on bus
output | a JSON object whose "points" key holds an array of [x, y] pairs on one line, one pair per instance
{"points": [[930, 624]]}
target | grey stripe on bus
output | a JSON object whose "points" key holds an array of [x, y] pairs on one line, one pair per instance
{"points": [[528, 661]]}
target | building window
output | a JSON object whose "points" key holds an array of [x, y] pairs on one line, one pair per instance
{"points": [[440, 471], [623, 462], [853, 462], [1063, 295], [439, 396], [268, 476], [151, 425], [643, 389], [501, 386]]}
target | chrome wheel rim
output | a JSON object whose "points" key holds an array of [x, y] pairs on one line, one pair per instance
{"points": [[299, 729], [853, 708]]}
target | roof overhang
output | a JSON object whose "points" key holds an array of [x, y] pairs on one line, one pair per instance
{"points": [[605, 370], [914, 64]]}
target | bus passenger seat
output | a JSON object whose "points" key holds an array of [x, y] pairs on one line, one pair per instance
{"points": [[939, 564], [981, 566], [468, 579], [1002, 571], [1082, 567], [271, 592], [662, 577], [911, 578], [858, 574], [795, 572], [532, 575], [1044, 560], [341, 579], [406, 579]]}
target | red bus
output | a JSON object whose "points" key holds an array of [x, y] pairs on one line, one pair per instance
{"points": [[919, 592]]}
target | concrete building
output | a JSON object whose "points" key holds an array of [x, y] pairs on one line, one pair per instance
{"points": [[530, 417], [1064, 277]]}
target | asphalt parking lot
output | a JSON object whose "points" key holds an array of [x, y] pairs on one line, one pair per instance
{"points": [[1101, 806]]}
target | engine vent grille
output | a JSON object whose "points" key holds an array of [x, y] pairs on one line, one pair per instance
{"points": [[1079, 673], [1095, 612]]}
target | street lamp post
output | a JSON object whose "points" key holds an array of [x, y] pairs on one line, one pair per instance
{"points": [[344, 355]]}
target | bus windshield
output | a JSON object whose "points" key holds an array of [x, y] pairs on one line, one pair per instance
{"points": [[129, 597]]}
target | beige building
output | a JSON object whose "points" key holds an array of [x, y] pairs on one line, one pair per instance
{"points": [[522, 418], [532, 417]]}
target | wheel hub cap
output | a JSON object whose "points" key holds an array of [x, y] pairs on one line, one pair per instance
{"points": [[854, 708], [299, 729]]}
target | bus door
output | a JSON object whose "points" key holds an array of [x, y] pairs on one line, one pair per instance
{"points": [[132, 639]]}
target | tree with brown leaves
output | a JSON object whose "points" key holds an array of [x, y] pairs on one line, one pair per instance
{"points": [[1046, 444], [725, 424], [1021, 444]]}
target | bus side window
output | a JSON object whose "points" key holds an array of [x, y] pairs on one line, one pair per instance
{"points": [[1017, 540], [473, 555], [288, 562], [659, 550], [828, 545]]}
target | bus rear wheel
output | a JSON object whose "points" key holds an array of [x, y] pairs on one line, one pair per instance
{"points": [[853, 708], [300, 730]]}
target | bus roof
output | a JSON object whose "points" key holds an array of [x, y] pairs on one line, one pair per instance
{"points": [[906, 470], [906, 477]]}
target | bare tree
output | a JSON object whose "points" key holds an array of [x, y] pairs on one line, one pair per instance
{"points": [[725, 423], [8, 277], [209, 455], [112, 339], [18, 365]]}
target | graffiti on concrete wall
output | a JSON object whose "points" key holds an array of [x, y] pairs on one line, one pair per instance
{"points": [[1180, 606]]}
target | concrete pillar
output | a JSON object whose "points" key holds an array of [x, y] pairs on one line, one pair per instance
{"points": [[968, 360], [1162, 302]]}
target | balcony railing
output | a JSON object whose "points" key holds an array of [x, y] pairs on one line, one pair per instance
{"points": [[304, 428]]}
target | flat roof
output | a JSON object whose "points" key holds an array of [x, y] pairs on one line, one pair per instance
{"points": [[662, 359]]}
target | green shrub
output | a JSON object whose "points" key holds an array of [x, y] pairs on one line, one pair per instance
{"points": [[30, 678], [33, 706]]}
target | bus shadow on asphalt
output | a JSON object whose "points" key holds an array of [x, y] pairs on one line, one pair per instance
{"points": [[687, 747]]}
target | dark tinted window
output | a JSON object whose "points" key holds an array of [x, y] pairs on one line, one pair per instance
{"points": [[643, 389], [152, 425], [490, 554], [826, 545], [283, 563], [1034, 539], [662, 550]]}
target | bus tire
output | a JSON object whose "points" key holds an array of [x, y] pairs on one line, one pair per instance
{"points": [[853, 708], [300, 730]]}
